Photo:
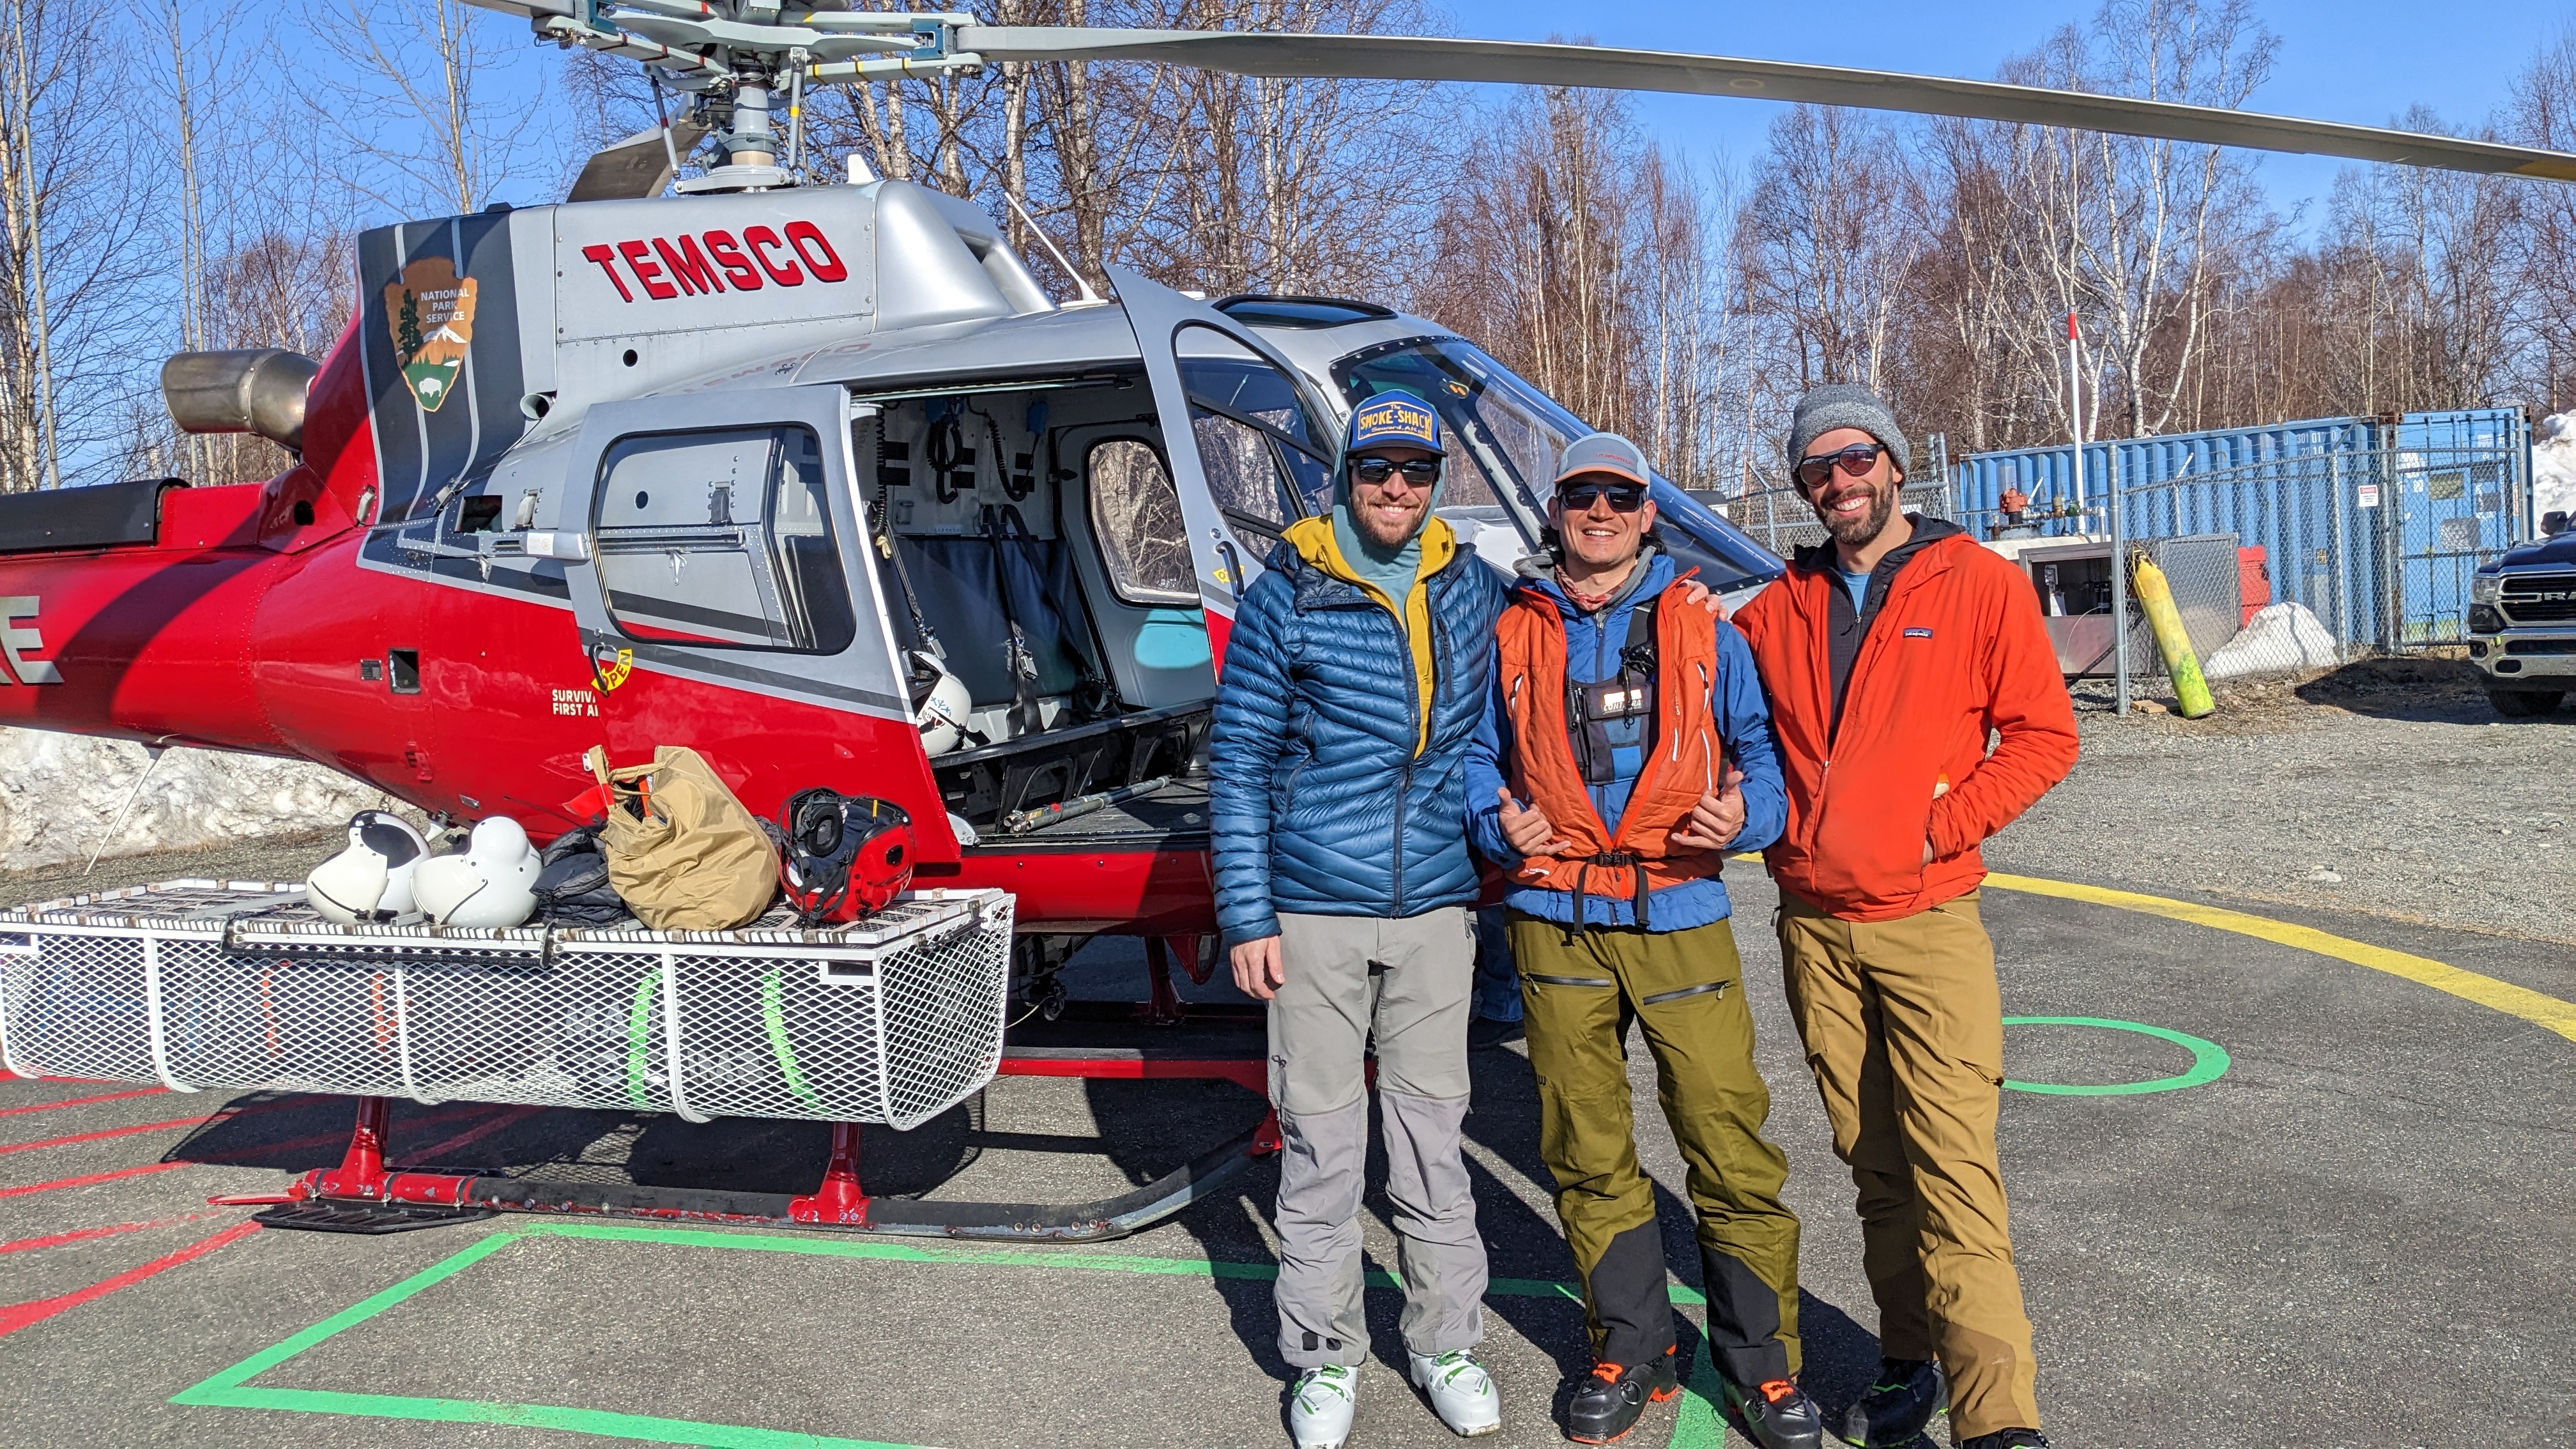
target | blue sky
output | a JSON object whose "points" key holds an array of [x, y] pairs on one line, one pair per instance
{"points": [[2363, 61]]}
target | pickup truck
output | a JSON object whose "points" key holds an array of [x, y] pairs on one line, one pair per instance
{"points": [[2522, 622]]}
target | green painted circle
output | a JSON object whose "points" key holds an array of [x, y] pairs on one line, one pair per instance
{"points": [[2209, 1060]]}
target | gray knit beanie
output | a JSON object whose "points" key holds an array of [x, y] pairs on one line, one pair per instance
{"points": [[1846, 405]]}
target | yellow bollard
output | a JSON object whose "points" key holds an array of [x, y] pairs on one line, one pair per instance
{"points": [[2155, 596]]}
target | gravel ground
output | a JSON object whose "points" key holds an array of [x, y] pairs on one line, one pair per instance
{"points": [[2388, 787]]}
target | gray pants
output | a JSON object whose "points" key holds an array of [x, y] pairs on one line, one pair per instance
{"points": [[1409, 982]]}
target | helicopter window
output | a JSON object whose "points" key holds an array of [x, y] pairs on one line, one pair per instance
{"points": [[723, 538], [1136, 513], [1259, 444]]}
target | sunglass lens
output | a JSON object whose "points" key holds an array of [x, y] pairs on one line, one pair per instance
{"points": [[1813, 470], [1624, 497], [1420, 472]]}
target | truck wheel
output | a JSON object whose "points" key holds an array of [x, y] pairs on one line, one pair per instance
{"points": [[2525, 703]]}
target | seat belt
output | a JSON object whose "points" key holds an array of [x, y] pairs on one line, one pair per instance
{"points": [[1018, 660], [923, 675]]}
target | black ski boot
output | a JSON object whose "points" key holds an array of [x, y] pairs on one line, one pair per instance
{"points": [[2007, 1439], [1899, 1406], [1608, 1400], [1777, 1414]]}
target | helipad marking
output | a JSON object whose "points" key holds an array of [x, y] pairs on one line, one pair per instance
{"points": [[2209, 1060], [1700, 1426], [2532, 1006], [16, 1316]]}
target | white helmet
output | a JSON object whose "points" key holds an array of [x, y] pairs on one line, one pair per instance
{"points": [[942, 713], [490, 884], [372, 879]]}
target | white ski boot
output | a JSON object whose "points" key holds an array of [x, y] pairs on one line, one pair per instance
{"points": [[1319, 1407], [1461, 1392]]}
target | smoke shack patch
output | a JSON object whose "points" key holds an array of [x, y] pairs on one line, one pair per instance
{"points": [[430, 313]]}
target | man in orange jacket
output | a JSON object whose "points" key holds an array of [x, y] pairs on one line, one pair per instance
{"points": [[1889, 653]]}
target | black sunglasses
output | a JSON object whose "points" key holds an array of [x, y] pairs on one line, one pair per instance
{"points": [[1624, 497], [1857, 459], [1420, 472]]}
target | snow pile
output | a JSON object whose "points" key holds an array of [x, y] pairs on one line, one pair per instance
{"points": [[2279, 636], [2553, 467], [59, 793]]}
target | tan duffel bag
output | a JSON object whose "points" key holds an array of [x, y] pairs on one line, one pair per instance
{"points": [[693, 859]]}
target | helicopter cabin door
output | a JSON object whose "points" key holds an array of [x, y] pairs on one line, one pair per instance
{"points": [[1251, 451], [725, 604]]}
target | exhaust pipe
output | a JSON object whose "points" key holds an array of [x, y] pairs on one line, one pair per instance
{"points": [[255, 390]]}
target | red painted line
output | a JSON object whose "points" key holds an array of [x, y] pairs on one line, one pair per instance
{"points": [[87, 1178], [83, 1235], [475, 1133], [82, 1101], [78, 1137], [37, 1310], [227, 1115], [315, 1140]]}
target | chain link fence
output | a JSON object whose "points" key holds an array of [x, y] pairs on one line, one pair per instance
{"points": [[2291, 562]]}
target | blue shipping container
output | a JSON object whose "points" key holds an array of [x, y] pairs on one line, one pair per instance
{"points": [[2374, 528]]}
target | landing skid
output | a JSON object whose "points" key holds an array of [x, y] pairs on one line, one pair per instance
{"points": [[364, 1195]]}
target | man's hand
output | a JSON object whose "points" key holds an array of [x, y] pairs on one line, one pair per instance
{"points": [[1528, 831], [1256, 968], [1718, 817], [1695, 592], [1939, 789]]}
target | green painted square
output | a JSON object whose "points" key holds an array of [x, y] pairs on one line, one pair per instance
{"points": [[1700, 1425]]}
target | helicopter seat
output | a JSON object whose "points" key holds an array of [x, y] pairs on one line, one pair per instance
{"points": [[975, 590]]}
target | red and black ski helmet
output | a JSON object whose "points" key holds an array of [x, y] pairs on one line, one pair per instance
{"points": [[847, 856]]}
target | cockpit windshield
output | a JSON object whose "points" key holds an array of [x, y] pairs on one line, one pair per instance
{"points": [[1505, 437]]}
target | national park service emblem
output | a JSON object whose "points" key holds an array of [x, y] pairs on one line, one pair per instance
{"points": [[431, 314]]}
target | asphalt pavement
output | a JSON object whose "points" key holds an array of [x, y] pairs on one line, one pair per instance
{"points": [[2347, 1218]]}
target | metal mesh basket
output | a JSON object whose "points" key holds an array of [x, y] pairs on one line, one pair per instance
{"points": [[199, 984]]}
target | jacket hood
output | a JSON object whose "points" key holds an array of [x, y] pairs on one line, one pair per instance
{"points": [[1312, 541], [1653, 575]]}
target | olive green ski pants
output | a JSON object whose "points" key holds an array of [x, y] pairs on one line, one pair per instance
{"points": [[1686, 990]]}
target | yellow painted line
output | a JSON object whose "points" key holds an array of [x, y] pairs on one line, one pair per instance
{"points": [[2532, 1006], [2535, 1007]]}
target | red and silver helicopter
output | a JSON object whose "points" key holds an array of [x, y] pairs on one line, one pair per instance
{"points": [[820, 480]]}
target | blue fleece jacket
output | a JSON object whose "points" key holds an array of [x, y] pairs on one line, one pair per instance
{"points": [[1743, 724]]}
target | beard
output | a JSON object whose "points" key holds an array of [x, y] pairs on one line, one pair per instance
{"points": [[1379, 531], [1854, 530]]}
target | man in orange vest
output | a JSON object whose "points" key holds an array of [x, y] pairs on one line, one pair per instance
{"points": [[1890, 651], [1626, 749]]}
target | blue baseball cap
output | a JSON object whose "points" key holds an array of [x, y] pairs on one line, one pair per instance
{"points": [[1394, 420]]}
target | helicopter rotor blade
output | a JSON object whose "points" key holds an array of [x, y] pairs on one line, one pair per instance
{"points": [[1374, 57], [636, 167]]}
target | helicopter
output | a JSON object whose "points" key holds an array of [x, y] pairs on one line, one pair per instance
{"points": [[819, 480]]}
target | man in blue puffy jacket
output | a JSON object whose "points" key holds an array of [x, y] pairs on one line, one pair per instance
{"points": [[1355, 677]]}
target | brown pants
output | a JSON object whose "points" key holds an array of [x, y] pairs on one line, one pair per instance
{"points": [[1903, 1026]]}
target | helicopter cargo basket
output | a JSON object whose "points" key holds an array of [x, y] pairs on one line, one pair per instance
{"points": [[198, 984]]}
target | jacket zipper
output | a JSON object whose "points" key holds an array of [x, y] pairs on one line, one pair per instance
{"points": [[1824, 777], [1413, 718]]}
